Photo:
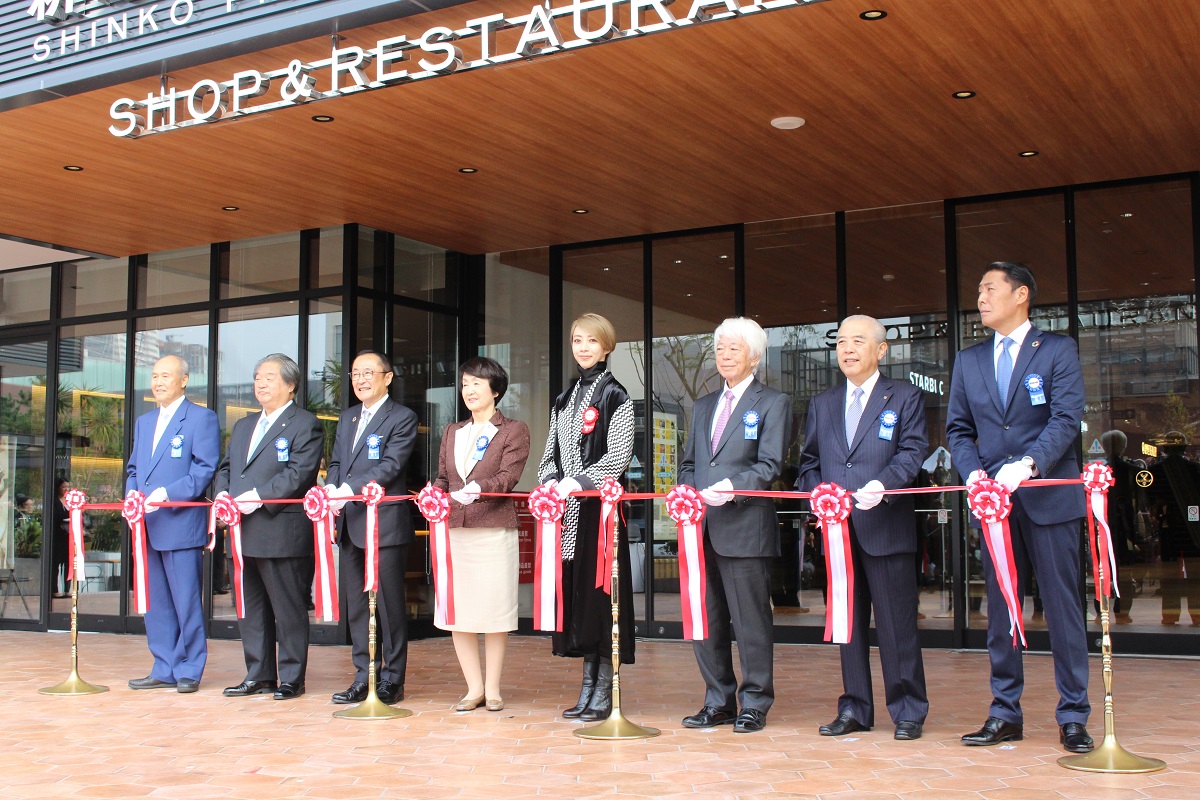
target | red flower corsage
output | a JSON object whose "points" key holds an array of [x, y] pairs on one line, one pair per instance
{"points": [[590, 415]]}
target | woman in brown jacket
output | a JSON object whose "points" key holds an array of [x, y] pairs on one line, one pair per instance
{"points": [[483, 454]]}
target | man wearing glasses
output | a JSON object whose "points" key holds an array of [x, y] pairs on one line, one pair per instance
{"points": [[373, 442]]}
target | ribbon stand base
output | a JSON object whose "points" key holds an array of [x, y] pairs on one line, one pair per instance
{"points": [[74, 685], [372, 707], [1110, 756], [616, 726]]}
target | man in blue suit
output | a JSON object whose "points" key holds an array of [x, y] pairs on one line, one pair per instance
{"points": [[869, 434], [1016, 401], [175, 451]]}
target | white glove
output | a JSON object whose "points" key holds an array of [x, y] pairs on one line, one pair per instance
{"points": [[159, 495], [977, 475], [467, 495], [718, 494], [1012, 475], [566, 486], [869, 496], [337, 495], [248, 502]]}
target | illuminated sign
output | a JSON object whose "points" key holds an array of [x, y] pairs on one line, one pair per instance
{"points": [[926, 383], [353, 68]]}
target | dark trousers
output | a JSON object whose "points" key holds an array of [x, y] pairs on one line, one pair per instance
{"points": [[276, 599], [391, 643]]}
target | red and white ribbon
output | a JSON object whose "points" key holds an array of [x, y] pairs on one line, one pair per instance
{"points": [[319, 510], [225, 509], [434, 505], [591, 415], [610, 505], [831, 505], [134, 512], [75, 500], [687, 509], [1097, 480], [372, 495], [547, 508], [991, 503]]}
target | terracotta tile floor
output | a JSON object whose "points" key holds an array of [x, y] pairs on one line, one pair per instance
{"points": [[162, 744]]}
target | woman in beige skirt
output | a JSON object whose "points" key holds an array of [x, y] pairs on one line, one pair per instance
{"points": [[483, 454]]}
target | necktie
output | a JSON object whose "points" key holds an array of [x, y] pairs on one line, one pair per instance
{"points": [[260, 430], [362, 426], [723, 419], [1004, 368], [853, 415]]}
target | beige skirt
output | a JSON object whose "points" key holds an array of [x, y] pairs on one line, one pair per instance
{"points": [[485, 563]]}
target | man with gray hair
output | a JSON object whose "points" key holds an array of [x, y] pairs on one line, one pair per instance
{"points": [[274, 455], [738, 440]]}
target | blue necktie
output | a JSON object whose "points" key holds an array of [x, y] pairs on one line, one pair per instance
{"points": [[1004, 368], [853, 415]]}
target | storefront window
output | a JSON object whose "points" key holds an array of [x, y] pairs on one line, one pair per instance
{"points": [[175, 278], [266, 265], [327, 366], [25, 296], [94, 286], [327, 255], [424, 272]]}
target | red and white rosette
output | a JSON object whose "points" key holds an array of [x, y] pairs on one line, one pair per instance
{"points": [[75, 500], [372, 495], [687, 509], [134, 512], [434, 505], [991, 503], [591, 415], [831, 505], [610, 505], [547, 509], [318, 509], [225, 509], [1097, 480]]}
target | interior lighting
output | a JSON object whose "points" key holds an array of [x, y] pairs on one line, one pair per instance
{"points": [[230, 208], [1028, 153], [322, 118], [963, 95], [787, 123], [580, 211], [73, 168], [468, 170], [873, 14]]}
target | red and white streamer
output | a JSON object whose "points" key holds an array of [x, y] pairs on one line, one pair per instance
{"points": [[372, 495], [687, 510], [1097, 480], [831, 505], [991, 503], [134, 512], [434, 505], [75, 500], [547, 508], [610, 504], [318, 509], [225, 509]]}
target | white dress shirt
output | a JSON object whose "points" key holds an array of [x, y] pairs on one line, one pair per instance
{"points": [[164, 419], [738, 391]]}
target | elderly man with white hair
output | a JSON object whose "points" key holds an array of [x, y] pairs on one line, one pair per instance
{"points": [[738, 441]]}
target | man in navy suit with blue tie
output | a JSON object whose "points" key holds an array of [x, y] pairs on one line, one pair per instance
{"points": [[869, 434], [175, 451], [1016, 401]]}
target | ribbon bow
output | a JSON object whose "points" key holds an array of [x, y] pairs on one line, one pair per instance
{"points": [[434, 505], [318, 509], [831, 504], [225, 510], [1097, 480], [547, 509], [610, 498], [372, 495], [134, 512], [75, 500], [687, 510], [991, 503]]}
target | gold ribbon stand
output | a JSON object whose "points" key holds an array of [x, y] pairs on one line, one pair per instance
{"points": [[74, 685], [372, 707]]}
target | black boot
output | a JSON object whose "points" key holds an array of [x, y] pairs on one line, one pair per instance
{"points": [[590, 665], [600, 706]]}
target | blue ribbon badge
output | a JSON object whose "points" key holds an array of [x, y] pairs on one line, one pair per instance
{"points": [[481, 445], [887, 424], [373, 447], [281, 449], [750, 424], [176, 447], [1037, 389]]}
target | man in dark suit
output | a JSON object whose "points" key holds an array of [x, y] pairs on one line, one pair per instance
{"points": [[1016, 401], [175, 452], [374, 440], [274, 455], [738, 441], [870, 433]]}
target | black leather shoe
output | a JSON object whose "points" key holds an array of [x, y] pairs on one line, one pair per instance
{"points": [[187, 686], [707, 717], [247, 688], [907, 730], [355, 694], [995, 731], [389, 692], [844, 724], [751, 720], [289, 691], [1074, 738], [150, 683]]}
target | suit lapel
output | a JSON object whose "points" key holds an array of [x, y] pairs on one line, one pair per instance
{"points": [[748, 400], [172, 430], [490, 432], [273, 433], [377, 419], [1028, 348], [878, 400], [986, 363]]}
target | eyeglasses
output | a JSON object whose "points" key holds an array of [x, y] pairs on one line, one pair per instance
{"points": [[367, 374]]}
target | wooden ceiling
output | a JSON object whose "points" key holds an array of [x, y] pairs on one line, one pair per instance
{"points": [[658, 133]]}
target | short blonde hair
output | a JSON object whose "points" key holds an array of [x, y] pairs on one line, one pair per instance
{"points": [[598, 326]]}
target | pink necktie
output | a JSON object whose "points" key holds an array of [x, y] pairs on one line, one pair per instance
{"points": [[723, 419]]}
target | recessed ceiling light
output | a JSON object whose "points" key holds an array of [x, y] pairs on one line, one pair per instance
{"points": [[873, 14], [604, 269], [322, 118], [889, 278], [1145, 283], [787, 123], [689, 294], [724, 257], [679, 261], [73, 168], [230, 208], [580, 211], [1126, 215], [1028, 153], [964, 95], [468, 170]]}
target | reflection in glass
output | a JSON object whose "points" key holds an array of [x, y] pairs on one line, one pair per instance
{"points": [[94, 286], [424, 272], [175, 277], [265, 265], [326, 366], [326, 265], [791, 270], [25, 296]]}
